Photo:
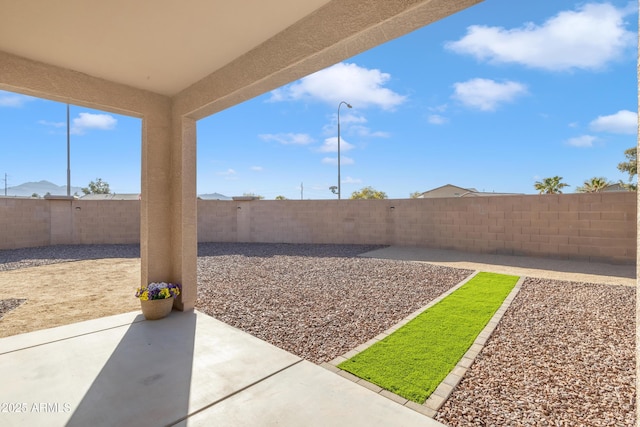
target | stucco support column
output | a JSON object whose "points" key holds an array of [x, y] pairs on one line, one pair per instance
{"points": [[168, 235], [155, 207], [185, 218]]}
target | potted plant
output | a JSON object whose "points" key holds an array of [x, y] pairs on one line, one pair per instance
{"points": [[156, 299]]}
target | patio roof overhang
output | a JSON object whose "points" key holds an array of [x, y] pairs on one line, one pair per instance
{"points": [[172, 63]]}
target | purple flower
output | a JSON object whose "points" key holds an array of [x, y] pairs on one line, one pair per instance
{"points": [[154, 290]]}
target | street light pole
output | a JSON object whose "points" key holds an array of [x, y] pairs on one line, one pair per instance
{"points": [[339, 186]]}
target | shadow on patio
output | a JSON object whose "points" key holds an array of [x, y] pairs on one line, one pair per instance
{"points": [[186, 369]]}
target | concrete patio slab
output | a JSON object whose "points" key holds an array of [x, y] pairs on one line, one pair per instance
{"points": [[22, 341], [304, 395], [556, 269], [188, 368]]}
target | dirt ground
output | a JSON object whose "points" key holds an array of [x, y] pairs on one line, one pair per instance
{"points": [[60, 294]]}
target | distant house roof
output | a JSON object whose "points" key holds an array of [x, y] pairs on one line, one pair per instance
{"points": [[450, 190], [135, 196], [614, 187], [447, 190], [213, 196]]}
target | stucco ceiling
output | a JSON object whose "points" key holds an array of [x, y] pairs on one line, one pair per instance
{"points": [[159, 45]]}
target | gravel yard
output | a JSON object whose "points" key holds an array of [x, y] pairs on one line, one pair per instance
{"points": [[6, 305], [46, 255], [316, 301], [563, 354]]}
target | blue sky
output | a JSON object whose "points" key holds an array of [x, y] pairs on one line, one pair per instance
{"points": [[495, 97]]}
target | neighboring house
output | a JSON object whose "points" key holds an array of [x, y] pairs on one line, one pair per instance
{"points": [[213, 196], [450, 190], [135, 196], [614, 187]]}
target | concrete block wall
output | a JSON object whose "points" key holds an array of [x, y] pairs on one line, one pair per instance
{"points": [[24, 223], [596, 227], [105, 221], [43, 222], [217, 221]]}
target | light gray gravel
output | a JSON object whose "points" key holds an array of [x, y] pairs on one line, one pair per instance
{"points": [[6, 305], [11, 259], [316, 301], [563, 355]]}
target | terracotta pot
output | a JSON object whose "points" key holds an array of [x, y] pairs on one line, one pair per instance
{"points": [[155, 309]]}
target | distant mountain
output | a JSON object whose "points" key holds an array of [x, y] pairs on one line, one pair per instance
{"points": [[213, 196], [40, 188], [43, 187]]}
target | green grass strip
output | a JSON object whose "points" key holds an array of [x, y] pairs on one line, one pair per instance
{"points": [[415, 359]]}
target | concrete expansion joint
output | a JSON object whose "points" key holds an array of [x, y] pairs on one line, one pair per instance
{"points": [[440, 395]]}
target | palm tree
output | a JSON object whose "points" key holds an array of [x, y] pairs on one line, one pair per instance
{"points": [[594, 185], [550, 185]]}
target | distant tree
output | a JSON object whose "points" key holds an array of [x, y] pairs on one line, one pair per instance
{"points": [[281, 198], [97, 187], [594, 185], [368, 193], [415, 194], [48, 194], [35, 195], [631, 165], [551, 185], [257, 196]]}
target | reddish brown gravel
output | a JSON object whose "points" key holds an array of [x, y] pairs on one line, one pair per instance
{"points": [[316, 301], [563, 355]]}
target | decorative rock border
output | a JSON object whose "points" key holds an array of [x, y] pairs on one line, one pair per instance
{"points": [[446, 387]]}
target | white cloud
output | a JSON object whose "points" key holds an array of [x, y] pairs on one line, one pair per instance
{"points": [[439, 108], [486, 94], [366, 132], [288, 138], [334, 160], [330, 145], [228, 172], [350, 118], [13, 100], [52, 124], [352, 124], [257, 168], [349, 180], [360, 87], [586, 38], [86, 121], [624, 121], [582, 141], [437, 119]]}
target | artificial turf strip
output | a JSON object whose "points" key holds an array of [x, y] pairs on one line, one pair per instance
{"points": [[412, 361]]}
